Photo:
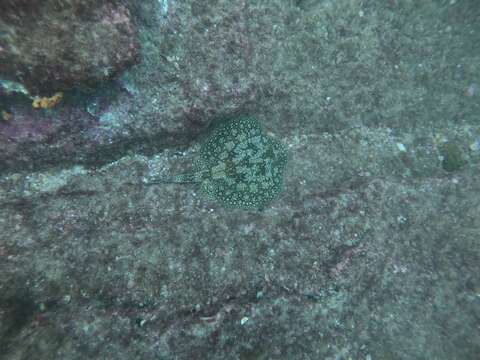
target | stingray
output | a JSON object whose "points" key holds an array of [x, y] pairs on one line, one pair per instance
{"points": [[238, 165]]}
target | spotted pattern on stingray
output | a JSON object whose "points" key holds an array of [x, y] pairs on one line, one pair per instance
{"points": [[239, 166]]}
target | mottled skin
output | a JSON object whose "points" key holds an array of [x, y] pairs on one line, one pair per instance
{"points": [[239, 165]]}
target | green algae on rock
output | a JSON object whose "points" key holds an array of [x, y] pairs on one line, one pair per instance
{"points": [[238, 165], [452, 157]]}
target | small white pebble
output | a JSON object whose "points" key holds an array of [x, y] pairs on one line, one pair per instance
{"points": [[243, 320], [401, 219], [401, 147], [475, 146], [472, 89]]}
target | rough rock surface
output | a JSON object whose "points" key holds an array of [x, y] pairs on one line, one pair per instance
{"points": [[53, 45], [372, 250]]}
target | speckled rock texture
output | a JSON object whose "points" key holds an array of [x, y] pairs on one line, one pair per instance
{"points": [[370, 252], [52, 45]]}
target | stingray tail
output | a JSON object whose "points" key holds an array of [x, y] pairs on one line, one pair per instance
{"points": [[177, 179]]}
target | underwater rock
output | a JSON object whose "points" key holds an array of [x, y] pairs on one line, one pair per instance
{"points": [[53, 45], [32, 138]]}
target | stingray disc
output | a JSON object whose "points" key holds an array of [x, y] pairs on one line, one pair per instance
{"points": [[240, 166]]}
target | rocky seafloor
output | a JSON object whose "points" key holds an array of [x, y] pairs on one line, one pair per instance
{"points": [[372, 250]]}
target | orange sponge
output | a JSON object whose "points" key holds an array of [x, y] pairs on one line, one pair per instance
{"points": [[47, 102]]}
